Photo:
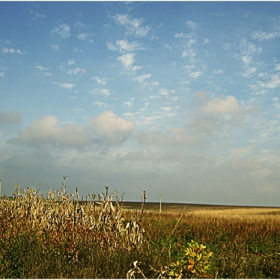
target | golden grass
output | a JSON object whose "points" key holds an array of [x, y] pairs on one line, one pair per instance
{"points": [[210, 211], [268, 214], [61, 237]]}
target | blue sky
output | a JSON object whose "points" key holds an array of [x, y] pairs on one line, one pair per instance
{"points": [[174, 97]]}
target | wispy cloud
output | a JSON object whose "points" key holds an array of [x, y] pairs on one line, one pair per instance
{"points": [[127, 59], [167, 109], [129, 103], [41, 68], [12, 51], [248, 51], [142, 78], [80, 25], [62, 30], [123, 46], [262, 36], [54, 47], [85, 36], [76, 71], [266, 81], [195, 74], [64, 85], [192, 24], [45, 70], [36, 15], [101, 81], [134, 26], [70, 62], [102, 91], [100, 104]]}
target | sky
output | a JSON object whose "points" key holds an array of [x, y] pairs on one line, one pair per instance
{"points": [[178, 98]]}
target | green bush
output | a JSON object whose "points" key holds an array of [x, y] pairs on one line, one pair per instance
{"points": [[194, 264]]}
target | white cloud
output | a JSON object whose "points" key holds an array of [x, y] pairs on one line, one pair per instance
{"points": [[124, 46], [261, 36], [167, 46], [76, 71], [193, 25], [127, 59], [128, 103], [67, 86], [100, 104], [246, 59], [218, 72], [248, 72], [274, 81], [101, 81], [142, 78], [179, 35], [2, 74], [41, 68], [271, 81], [47, 131], [112, 128], [163, 92], [189, 53], [82, 36], [196, 74], [55, 47], [133, 25], [111, 47], [36, 15], [62, 30], [277, 67], [136, 68], [44, 70], [12, 51], [221, 105], [167, 108], [85, 36], [276, 102], [103, 91], [47, 74], [248, 50], [70, 62], [208, 117], [79, 25]]}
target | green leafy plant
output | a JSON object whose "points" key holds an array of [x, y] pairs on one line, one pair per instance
{"points": [[194, 264]]}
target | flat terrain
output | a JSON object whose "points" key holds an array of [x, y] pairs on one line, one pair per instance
{"points": [[167, 207], [241, 212]]}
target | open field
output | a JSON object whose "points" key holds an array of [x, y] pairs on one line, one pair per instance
{"points": [[60, 237], [221, 211], [171, 206]]}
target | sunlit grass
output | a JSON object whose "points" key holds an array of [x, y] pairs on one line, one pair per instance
{"points": [[58, 236]]}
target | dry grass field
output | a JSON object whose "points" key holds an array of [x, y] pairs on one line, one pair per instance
{"points": [[218, 211], [59, 236]]}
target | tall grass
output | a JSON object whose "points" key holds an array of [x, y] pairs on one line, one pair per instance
{"points": [[58, 236]]}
